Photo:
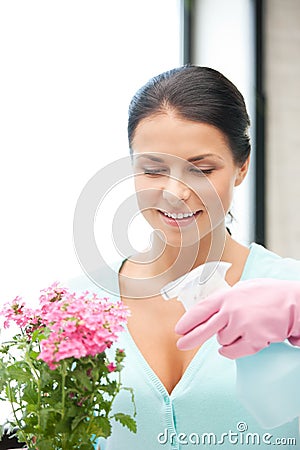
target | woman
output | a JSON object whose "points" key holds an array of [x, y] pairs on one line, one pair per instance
{"points": [[189, 143]]}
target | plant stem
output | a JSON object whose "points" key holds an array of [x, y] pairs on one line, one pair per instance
{"points": [[37, 379], [117, 390], [63, 384], [39, 402], [23, 436], [63, 401], [33, 370]]}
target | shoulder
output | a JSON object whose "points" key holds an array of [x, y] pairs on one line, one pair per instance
{"points": [[263, 263], [104, 281]]}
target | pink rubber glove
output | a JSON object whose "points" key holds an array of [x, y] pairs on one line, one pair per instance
{"points": [[247, 317]]}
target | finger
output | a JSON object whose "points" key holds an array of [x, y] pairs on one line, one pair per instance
{"points": [[200, 313], [239, 349], [229, 335], [202, 333]]}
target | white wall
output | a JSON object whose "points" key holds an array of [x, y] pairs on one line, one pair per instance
{"points": [[68, 71]]}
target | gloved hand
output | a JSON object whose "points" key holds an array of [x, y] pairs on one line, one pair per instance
{"points": [[247, 317]]}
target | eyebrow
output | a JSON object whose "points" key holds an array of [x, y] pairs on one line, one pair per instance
{"points": [[206, 155], [144, 155], [193, 159]]}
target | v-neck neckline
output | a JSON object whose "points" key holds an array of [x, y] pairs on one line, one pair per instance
{"points": [[186, 376], [193, 364]]}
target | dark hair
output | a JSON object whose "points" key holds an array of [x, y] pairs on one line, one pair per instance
{"points": [[200, 94]]}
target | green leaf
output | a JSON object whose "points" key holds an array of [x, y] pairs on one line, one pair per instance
{"points": [[103, 426], [76, 421], [84, 380], [131, 391], [44, 415], [30, 394], [104, 405], [63, 426], [38, 335], [33, 354], [109, 388], [44, 444], [73, 411], [86, 446], [45, 377], [19, 373], [126, 421]]}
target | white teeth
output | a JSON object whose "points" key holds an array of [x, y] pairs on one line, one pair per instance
{"points": [[179, 215]]}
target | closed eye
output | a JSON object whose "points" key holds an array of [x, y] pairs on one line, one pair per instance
{"points": [[201, 171], [156, 172]]}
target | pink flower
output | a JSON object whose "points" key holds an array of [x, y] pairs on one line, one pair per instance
{"points": [[52, 293], [111, 367], [80, 326], [16, 312], [76, 326]]}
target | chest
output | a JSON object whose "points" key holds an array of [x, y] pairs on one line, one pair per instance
{"points": [[151, 326]]}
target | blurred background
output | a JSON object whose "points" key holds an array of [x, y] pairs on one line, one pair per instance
{"points": [[68, 71]]}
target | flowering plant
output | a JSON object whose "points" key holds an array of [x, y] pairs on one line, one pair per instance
{"points": [[55, 371]]}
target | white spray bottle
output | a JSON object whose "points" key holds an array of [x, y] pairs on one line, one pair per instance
{"points": [[267, 382]]}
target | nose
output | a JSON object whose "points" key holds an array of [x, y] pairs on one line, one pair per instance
{"points": [[176, 192]]}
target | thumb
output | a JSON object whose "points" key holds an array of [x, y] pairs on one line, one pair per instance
{"points": [[201, 312]]}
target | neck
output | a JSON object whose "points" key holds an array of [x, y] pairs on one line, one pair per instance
{"points": [[175, 261], [148, 272]]}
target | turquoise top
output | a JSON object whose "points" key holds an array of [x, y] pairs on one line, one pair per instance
{"points": [[203, 409]]}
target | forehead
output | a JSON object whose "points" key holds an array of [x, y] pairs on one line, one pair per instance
{"points": [[169, 135]]}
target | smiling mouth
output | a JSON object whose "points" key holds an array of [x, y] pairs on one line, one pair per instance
{"points": [[179, 216], [185, 218]]}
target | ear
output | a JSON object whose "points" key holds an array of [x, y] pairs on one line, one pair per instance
{"points": [[242, 172]]}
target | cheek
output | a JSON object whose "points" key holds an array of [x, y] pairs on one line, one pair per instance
{"points": [[225, 194], [147, 197], [216, 196]]}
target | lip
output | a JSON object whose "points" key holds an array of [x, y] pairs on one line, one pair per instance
{"points": [[179, 222]]}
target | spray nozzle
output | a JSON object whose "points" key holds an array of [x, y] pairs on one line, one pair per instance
{"points": [[197, 284]]}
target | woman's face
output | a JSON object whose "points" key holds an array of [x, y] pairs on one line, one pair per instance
{"points": [[184, 176]]}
